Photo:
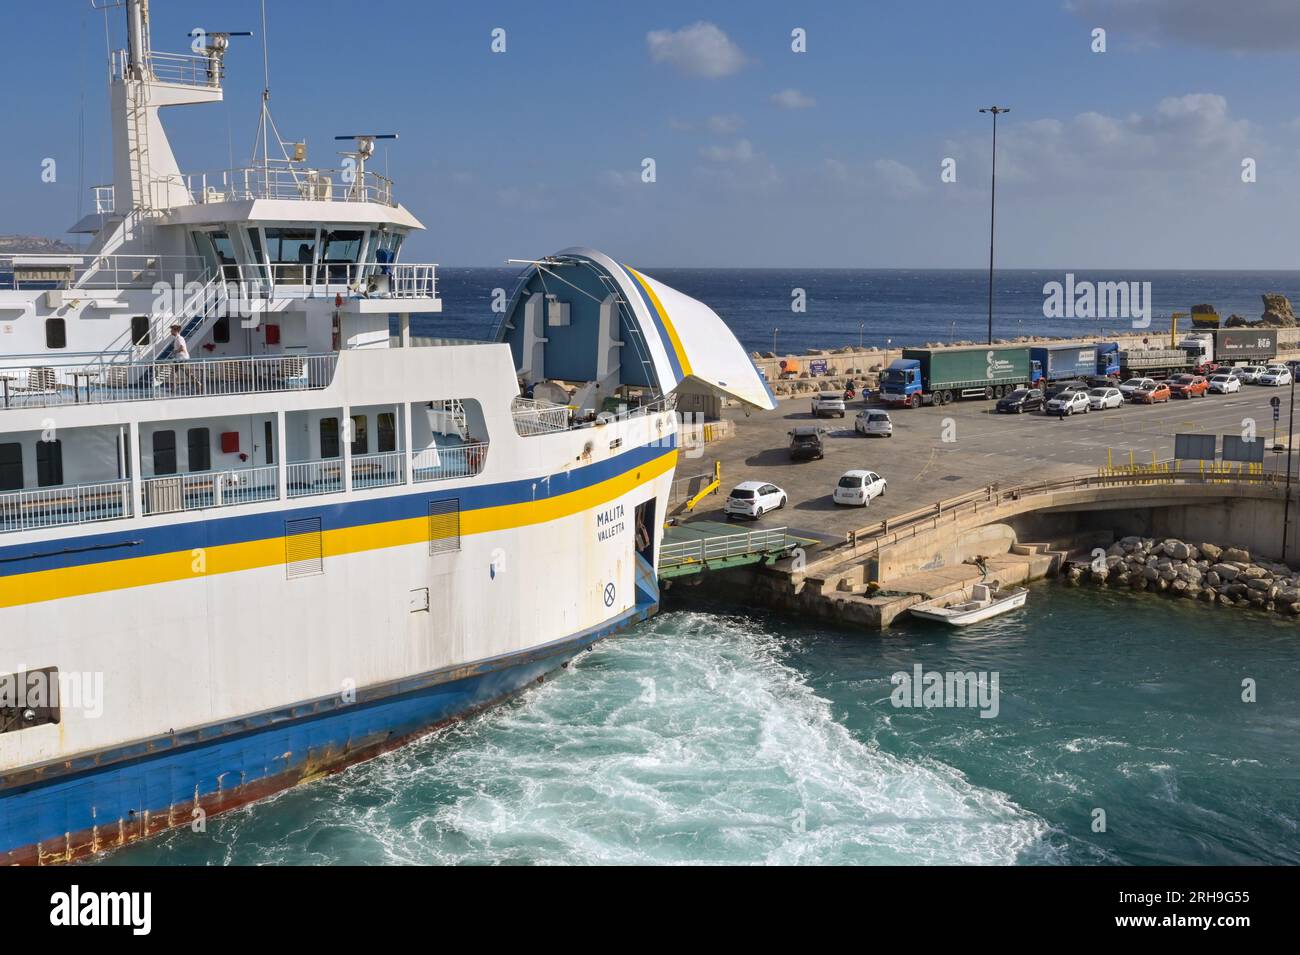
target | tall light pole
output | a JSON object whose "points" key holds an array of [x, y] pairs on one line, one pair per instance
{"points": [[774, 331], [993, 198], [862, 327], [1286, 503]]}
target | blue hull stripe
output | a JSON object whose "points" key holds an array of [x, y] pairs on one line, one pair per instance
{"points": [[230, 756]]}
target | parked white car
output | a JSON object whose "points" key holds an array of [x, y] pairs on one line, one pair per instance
{"points": [[874, 422], [1225, 384], [1249, 374], [858, 487], [1135, 384], [1275, 375], [1068, 402], [827, 403], [1102, 398], [753, 499]]}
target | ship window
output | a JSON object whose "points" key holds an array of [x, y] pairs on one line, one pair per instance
{"points": [[11, 467], [28, 698], [255, 243], [291, 245], [387, 428], [329, 437], [164, 452], [49, 463], [221, 330], [56, 333], [140, 329], [360, 435], [225, 250], [289, 248], [340, 247], [199, 446]]}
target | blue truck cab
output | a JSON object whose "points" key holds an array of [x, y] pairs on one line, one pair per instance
{"points": [[1108, 359], [901, 380]]}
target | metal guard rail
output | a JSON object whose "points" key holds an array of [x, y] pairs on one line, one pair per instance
{"points": [[993, 495]]}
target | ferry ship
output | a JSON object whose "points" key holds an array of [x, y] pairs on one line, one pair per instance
{"points": [[252, 530]]}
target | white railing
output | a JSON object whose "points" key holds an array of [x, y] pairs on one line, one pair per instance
{"points": [[36, 271], [442, 464], [286, 182], [378, 470], [370, 279], [43, 386], [538, 417], [205, 489], [306, 478], [724, 546], [183, 68], [54, 506]]}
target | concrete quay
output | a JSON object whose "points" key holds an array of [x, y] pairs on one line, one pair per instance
{"points": [[972, 458]]}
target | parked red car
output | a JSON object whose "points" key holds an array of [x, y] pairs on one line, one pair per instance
{"points": [[1189, 386], [1149, 396]]}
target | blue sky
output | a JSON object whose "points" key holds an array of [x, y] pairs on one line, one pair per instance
{"points": [[763, 157]]}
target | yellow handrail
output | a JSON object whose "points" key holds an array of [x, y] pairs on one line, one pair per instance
{"points": [[710, 488]]}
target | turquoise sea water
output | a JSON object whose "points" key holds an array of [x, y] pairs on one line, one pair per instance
{"points": [[708, 736]]}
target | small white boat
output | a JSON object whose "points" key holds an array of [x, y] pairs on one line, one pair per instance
{"points": [[986, 601]]}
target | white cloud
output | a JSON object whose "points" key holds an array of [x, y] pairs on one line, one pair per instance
{"points": [[701, 49], [889, 178], [1192, 140], [793, 99]]}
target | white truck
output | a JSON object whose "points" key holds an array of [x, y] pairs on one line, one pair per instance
{"points": [[828, 403]]}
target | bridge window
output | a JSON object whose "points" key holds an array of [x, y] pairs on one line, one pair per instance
{"points": [[199, 446], [11, 467], [340, 248], [164, 452], [49, 463], [56, 333]]}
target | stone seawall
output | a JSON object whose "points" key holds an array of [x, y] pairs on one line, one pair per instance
{"points": [[864, 364], [1225, 576]]}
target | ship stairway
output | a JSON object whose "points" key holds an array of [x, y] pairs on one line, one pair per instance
{"points": [[198, 312]]}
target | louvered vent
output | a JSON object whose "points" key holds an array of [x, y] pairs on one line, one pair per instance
{"points": [[444, 526], [303, 548]]}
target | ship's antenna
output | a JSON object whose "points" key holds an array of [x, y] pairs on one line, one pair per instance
{"points": [[266, 91]]}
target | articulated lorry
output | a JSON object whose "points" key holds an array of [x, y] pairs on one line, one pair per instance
{"points": [[1224, 345], [1200, 352], [941, 375], [1066, 361]]}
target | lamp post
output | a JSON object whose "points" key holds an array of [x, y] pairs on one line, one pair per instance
{"points": [[993, 196], [1286, 501], [774, 331], [862, 326]]}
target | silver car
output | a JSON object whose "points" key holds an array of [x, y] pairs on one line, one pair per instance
{"points": [[874, 423]]}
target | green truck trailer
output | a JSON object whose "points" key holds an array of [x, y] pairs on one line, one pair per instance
{"points": [[940, 375]]}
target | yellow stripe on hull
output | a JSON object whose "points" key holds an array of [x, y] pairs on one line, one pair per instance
{"points": [[64, 582]]}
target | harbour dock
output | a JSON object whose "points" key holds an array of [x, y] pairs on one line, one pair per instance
{"points": [[1022, 492]]}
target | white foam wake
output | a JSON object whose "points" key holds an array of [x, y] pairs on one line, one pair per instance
{"points": [[687, 742]]}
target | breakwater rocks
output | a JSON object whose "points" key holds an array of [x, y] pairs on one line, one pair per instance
{"points": [[1226, 576]]}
